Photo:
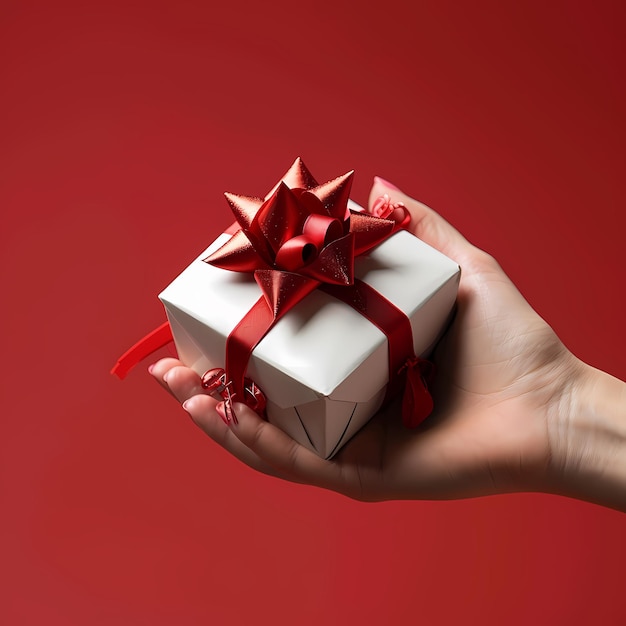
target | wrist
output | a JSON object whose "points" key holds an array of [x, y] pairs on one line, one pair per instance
{"points": [[588, 440]]}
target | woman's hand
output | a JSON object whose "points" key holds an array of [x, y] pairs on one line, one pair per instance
{"points": [[506, 395]]}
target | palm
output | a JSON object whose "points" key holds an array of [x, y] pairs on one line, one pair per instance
{"points": [[496, 369]]}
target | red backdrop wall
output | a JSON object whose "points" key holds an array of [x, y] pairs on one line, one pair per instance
{"points": [[121, 125]]}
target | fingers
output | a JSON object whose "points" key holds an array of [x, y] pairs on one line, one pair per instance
{"points": [[182, 382], [201, 409], [185, 385], [279, 451], [426, 224]]}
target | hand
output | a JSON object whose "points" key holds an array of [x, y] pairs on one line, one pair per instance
{"points": [[506, 389]]}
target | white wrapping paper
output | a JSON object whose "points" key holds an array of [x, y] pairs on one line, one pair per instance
{"points": [[323, 367]]}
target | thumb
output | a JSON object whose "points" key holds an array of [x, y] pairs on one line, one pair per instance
{"points": [[425, 224]]}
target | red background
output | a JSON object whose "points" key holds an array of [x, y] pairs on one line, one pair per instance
{"points": [[121, 125]]}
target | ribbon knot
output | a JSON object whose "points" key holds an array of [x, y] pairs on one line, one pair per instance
{"points": [[318, 232]]}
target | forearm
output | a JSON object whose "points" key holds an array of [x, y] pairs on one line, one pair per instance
{"points": [[588, 441]]}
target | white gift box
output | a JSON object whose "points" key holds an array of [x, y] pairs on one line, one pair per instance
{"points": [[323, 367]]}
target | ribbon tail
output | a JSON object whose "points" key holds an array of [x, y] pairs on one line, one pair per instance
{"points": [[417, 403], [158, 338]]}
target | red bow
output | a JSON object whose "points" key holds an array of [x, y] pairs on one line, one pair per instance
{"points": [[299, 236]]}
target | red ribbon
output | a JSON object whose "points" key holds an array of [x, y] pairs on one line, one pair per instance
{"points": [[158, 338], [404, 367]]}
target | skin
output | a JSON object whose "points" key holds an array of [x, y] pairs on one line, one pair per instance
{"points": [[514, 409]]}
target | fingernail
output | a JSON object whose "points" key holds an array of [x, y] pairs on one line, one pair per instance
{"points": [[222, 412], [151, 368], [386, 183], [187, 405], [230, 411], [166, 376]]}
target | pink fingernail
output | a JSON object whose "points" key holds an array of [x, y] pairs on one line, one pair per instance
{"points": [[386, 183], [151, 368], [186, 404], [231, 416], [219, 408]]}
